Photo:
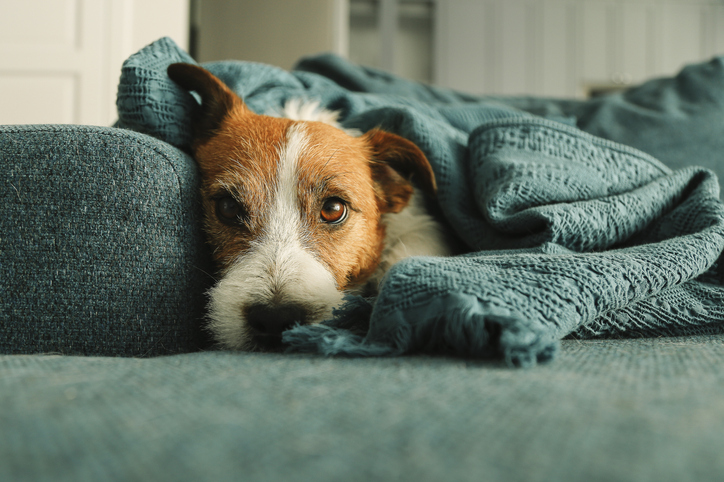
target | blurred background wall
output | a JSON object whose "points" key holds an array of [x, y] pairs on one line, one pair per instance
{"points": [[60, 59], [277, 32], [539, 47]]}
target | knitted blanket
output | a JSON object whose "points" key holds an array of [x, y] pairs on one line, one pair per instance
{"points": [[568, 234]]}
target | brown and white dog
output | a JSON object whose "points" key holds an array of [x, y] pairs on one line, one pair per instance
{"points": [[299, 211]]}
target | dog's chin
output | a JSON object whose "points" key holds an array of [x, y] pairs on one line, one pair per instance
{"points": [[267, 343], [237, 333], [252, 342]]}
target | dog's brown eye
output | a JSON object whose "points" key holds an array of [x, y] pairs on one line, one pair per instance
{"points": [[334, 211], [228, 210]]}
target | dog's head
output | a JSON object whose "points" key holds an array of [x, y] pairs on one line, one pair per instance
{"points": [[292, 210]]}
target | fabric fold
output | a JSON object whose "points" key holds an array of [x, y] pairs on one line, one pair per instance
{"points": [[569, 234], [611, 229]]}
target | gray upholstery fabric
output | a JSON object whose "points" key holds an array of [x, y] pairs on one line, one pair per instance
{"points": [[100, 248], [613, 410]]}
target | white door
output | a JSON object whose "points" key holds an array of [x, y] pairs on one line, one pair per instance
{"points": [[60, 60]]}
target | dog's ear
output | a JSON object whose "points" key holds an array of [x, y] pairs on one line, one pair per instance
{"points": [[217, 100], [396, 163]]}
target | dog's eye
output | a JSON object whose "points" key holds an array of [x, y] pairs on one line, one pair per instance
{"points": [[228, 210], [334, 211]]}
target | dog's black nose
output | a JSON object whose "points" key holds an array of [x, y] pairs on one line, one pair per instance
{"points": [[272, 320]]}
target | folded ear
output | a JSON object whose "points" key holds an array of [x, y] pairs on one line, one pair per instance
{"points": [[217, 100], [396, 164]]}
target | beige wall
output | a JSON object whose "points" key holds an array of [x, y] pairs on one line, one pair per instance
{"points": [[276, 32]]}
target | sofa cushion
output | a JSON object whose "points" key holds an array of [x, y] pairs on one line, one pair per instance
{"points": [[614, 410], [100, 248]]}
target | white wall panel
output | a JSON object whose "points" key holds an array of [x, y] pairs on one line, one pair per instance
{"points": [[461, 52], [570, 47], [718, 21], [713, 22], [632, 38], [554, 52], [681, 36], [513, 33], [595, 37]]}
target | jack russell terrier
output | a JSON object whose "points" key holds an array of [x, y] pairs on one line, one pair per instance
{"points": [[299, 212]]}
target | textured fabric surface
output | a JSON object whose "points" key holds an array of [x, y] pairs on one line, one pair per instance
{"points": [[615, 245], [147, 101], [678, 120], [100, 249], [614, 410], [609, 240]]}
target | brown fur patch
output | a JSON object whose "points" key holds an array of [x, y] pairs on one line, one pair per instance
{"points": [[241, 160], [336, 165], [238, 153]]}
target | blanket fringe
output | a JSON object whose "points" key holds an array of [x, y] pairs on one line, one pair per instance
{"points": [[462, 332]]}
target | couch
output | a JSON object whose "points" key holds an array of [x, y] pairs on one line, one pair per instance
{"points": [[106, 372]]}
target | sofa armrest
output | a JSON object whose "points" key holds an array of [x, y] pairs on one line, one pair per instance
{"points": [[100, 245]]}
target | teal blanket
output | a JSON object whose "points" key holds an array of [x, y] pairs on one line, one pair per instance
{"points": [[569, 234]]}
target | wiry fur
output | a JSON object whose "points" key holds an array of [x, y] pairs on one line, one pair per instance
{"points": [[311, 110], [411, 232], [279, 262], [277, 268]]}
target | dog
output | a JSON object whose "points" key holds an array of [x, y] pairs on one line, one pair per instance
{"points": [[299, 211]]}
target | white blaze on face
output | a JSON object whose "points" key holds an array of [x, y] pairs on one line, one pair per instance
{"points": [[279, 267]]}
